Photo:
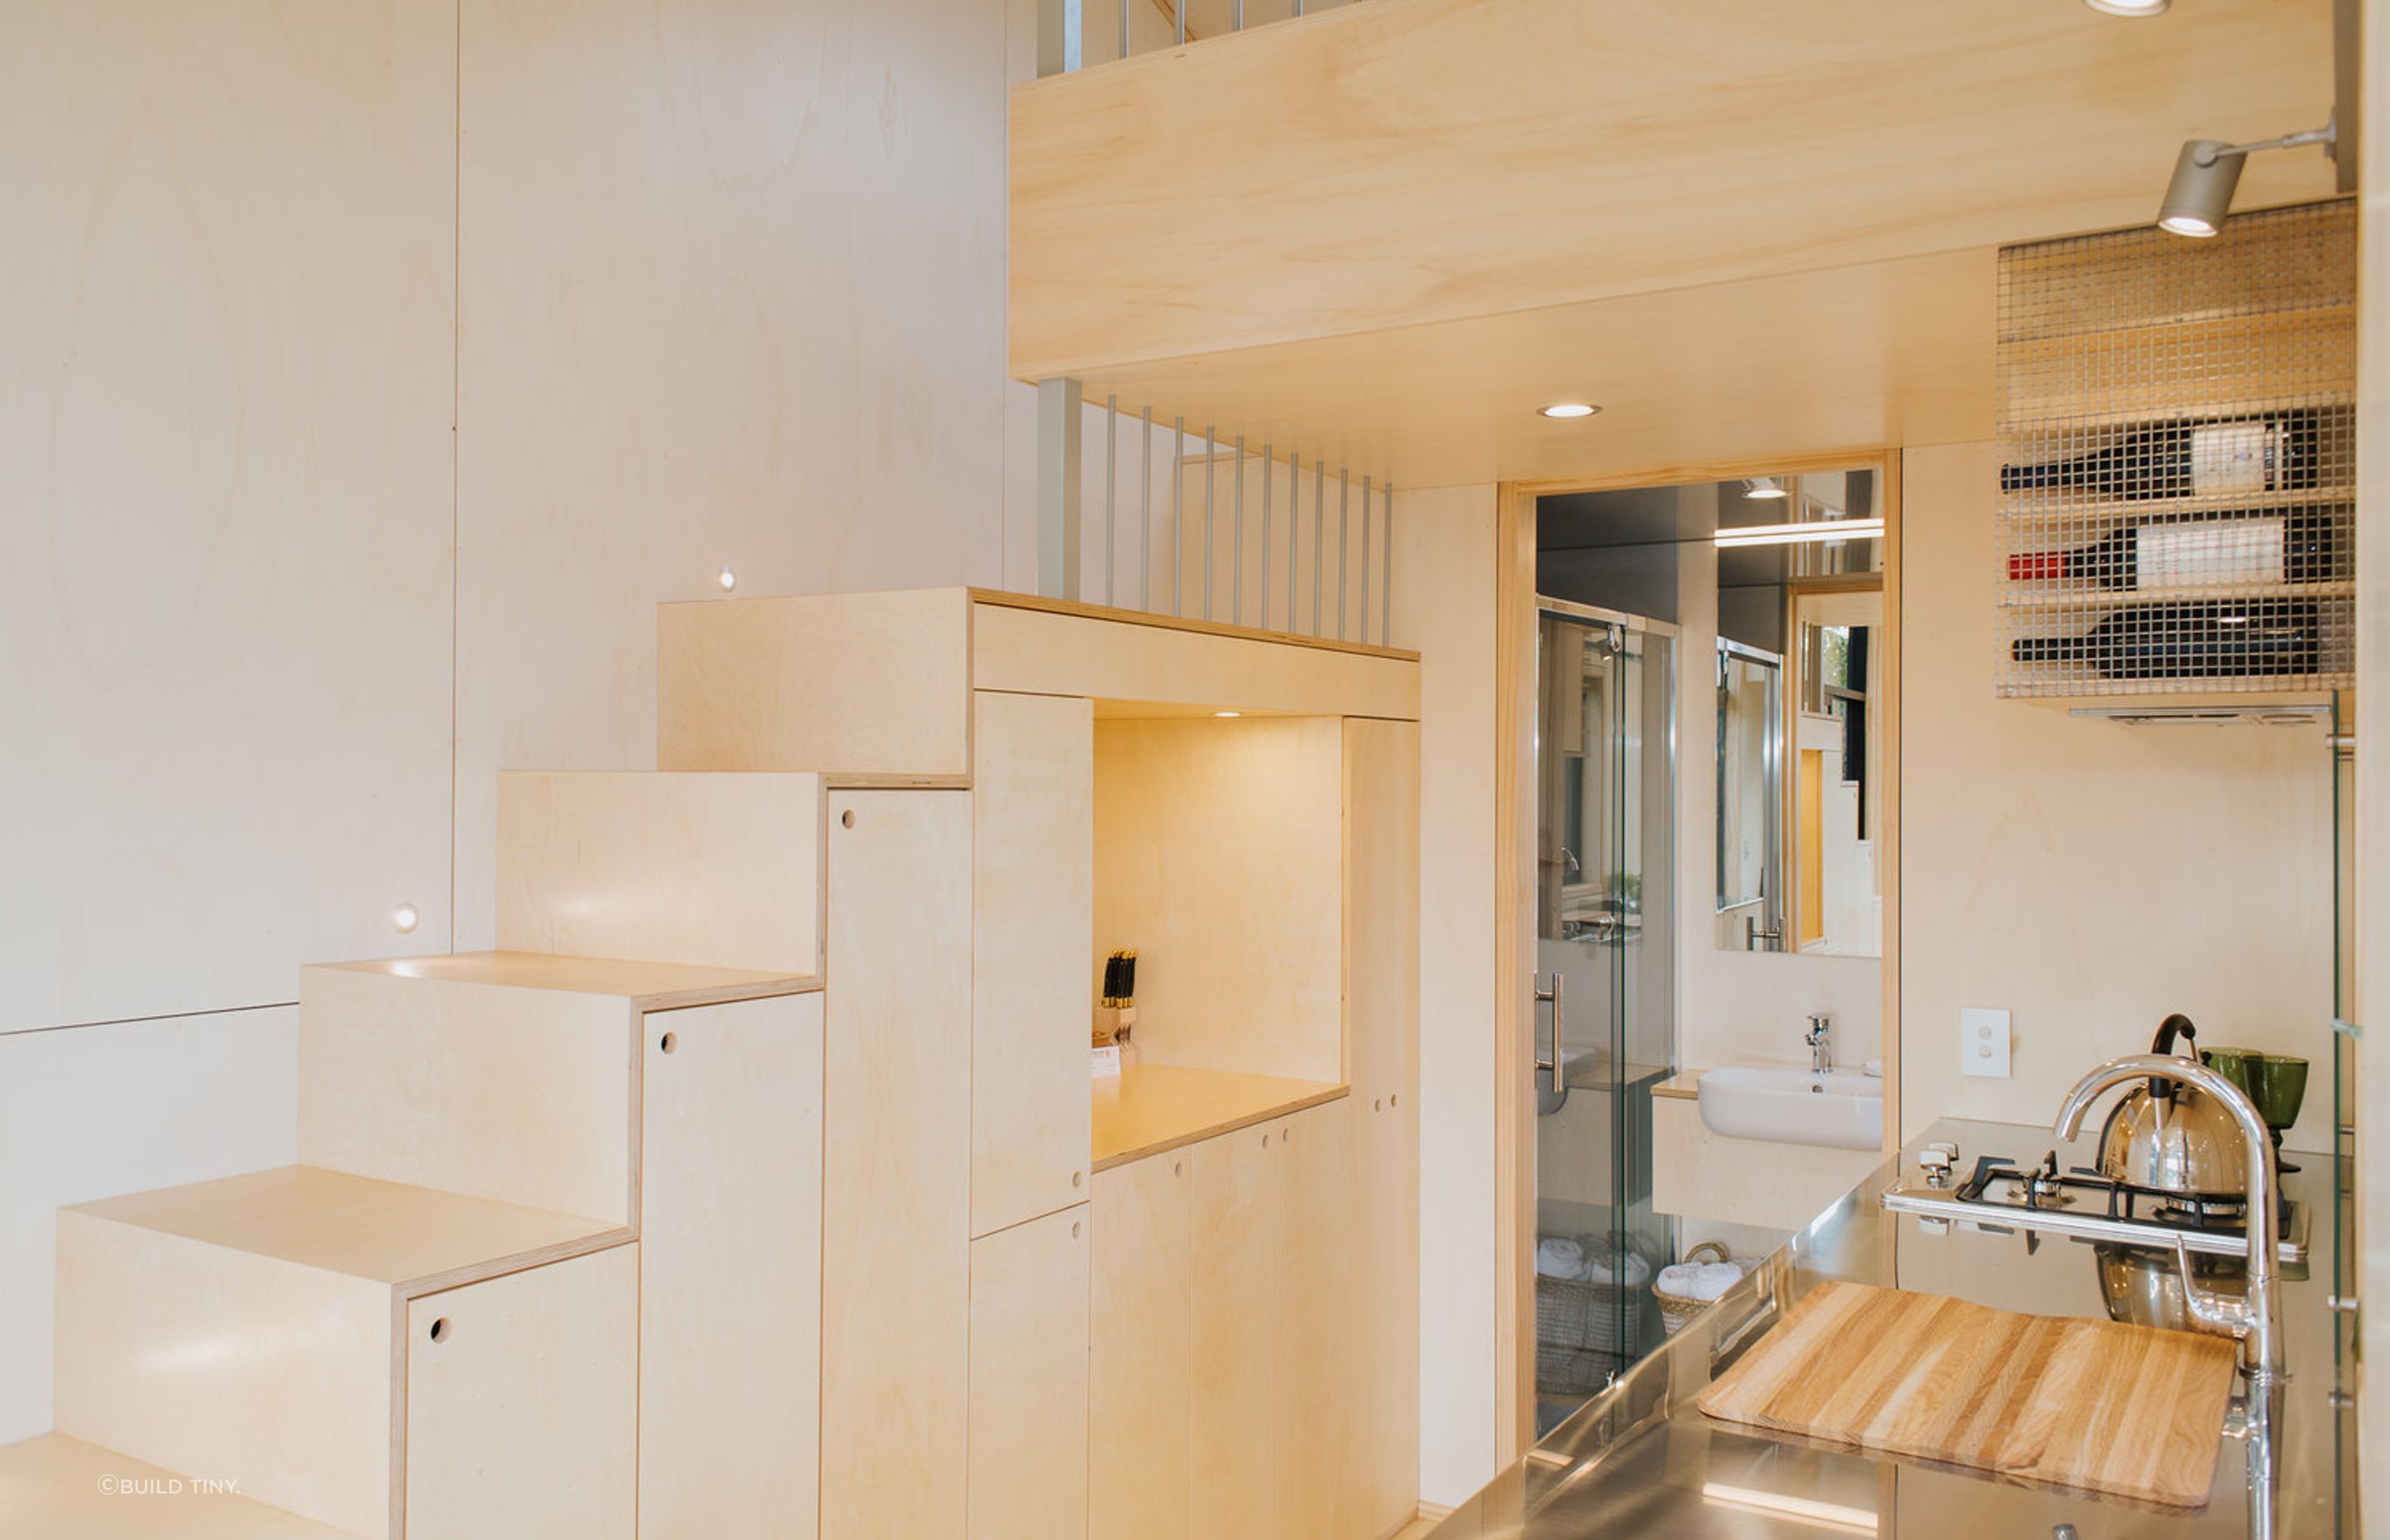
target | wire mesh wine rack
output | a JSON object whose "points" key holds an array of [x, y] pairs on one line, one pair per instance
{"points": [[2178, 455]]}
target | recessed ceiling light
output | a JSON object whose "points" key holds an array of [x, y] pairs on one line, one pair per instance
{"points": [[728, 578], [1565, 409], [1226, 714], [1763, 486], [2130, 8], [403, 920]]}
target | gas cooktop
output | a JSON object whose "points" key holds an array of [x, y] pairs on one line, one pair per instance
{"points": [[1999, 1194]]}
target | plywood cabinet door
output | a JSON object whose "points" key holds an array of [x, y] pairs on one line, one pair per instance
{"points": [[1234, 1294], [1032, 944], [1314, 1402], [1381, 801], [896, 1166], [522, 1403], [1028, 1461], [731, 1270], [1141, 1371], [1386, 1311]]}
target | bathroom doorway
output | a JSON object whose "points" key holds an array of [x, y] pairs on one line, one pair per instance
{"points": [[1702, 812]]}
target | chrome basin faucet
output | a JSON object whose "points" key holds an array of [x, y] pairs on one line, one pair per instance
{"points": [[2255, 1318], [1820, 1040]]}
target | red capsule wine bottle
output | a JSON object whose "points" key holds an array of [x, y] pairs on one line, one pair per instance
{"points": [[2188, 641], [2293, 547]]}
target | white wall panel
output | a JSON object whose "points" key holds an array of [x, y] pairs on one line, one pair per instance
{"points": [[225, 497], [94, 1111], [731, 293]]}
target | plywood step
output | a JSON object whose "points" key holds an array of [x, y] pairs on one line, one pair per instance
{"points": [[505, 1075], [54, 1487], [250, 1330]]}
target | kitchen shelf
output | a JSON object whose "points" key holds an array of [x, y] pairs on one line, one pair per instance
{"points": [[2120, 351], [2119, 599], [2040, 508], [1148, 1108]]}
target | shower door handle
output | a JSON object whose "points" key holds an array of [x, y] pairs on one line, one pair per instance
{"points": [[1551, 996]]}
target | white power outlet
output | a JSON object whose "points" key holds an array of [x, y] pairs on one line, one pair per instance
{"points": [[1984, 1041]]}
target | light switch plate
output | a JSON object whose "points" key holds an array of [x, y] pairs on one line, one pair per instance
{"points": [[1984, 1041]]}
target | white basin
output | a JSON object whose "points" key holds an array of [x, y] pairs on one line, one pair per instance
{"points": [[1841, 1108]]}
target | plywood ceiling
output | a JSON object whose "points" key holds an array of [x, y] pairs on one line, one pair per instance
{"points": [[1390, 233]]}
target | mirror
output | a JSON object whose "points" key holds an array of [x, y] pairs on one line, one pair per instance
{"points": [[1778, 582]]}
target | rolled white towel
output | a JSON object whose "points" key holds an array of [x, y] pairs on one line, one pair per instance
{"points": [[1699, 1280], [1558, 1257], [1599, 1268], [1712, 1279]]}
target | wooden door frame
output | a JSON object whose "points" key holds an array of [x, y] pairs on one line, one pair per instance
{"points": [[1514, 889]]}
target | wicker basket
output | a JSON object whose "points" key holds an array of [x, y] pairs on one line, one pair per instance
{"points": [[1677, 1309], [1579, 1329]]}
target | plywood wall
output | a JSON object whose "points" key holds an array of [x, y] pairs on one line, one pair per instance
{"points": [[1443, 607], [2088, 877], [371, 373]]}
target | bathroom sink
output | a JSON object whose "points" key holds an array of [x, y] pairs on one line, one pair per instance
{"points": [[1841, 1108]]}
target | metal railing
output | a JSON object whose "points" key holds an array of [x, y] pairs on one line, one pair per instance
{"points": [[1073, 34], [1266, 535]]}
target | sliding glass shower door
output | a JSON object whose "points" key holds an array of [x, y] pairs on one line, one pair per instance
{"points": [[1605, 986]]}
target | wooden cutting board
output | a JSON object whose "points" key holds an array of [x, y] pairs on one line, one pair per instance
{"points": [[2124, 1409]]}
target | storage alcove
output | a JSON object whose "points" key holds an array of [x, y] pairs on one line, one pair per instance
{"points": [[1219, 860]]}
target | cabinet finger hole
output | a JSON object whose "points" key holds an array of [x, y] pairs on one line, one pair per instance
{"points": [[846, 819], [671, 1042], [1077, 1177], [440, 1329], [1074, 1229], [1379, 1105]]}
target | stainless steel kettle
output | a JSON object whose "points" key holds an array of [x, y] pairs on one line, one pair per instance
{"points": [[2172, 1137]]}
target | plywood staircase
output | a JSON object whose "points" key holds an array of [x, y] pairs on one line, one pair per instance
{"points": [[432, 1325]]}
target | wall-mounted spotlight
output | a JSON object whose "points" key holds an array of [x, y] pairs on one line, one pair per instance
{"points": [[1763, 487], [727, 579], [2200, 195]]}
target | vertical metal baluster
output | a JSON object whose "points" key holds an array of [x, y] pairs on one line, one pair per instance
{"points": [[1241, 15], [1267, 450], [1367, 520], [1111, 491], [1318, 541], [1145, 523], [1211, 465], [1386, 576], [1177, 517], [1237, 548], [1293, 527], [1343, 540], [1124, 36], [1181, 8]]}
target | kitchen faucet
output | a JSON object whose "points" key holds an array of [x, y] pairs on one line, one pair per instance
{"points": [[1820, 1040], [2256, 1317]]}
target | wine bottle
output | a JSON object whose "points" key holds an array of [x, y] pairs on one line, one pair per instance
{"points": [[2292, 546], [2179, 641], [2185, 459]]}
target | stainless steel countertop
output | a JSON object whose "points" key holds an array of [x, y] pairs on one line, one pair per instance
{"points": [[1639, 1459]]}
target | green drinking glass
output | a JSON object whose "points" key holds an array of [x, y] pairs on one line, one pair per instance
{"points": [[2233, 1065], [2277, 1084]]}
